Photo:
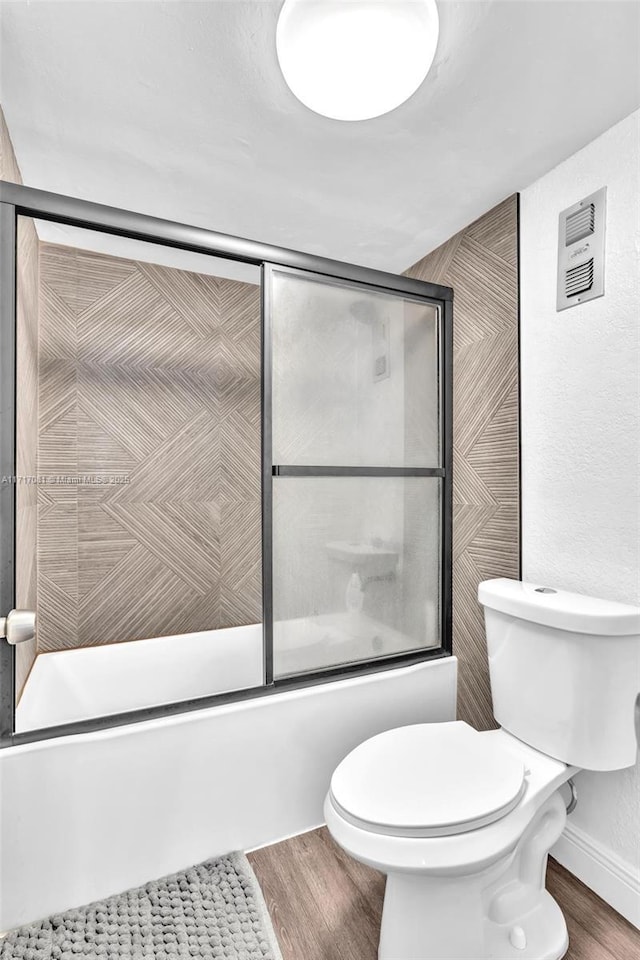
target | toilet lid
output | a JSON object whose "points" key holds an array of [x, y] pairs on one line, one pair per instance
{"points": [[431, 779]]}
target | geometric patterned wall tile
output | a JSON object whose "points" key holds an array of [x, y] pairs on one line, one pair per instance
{"points": [[103, 543], [480, 263], [240, 458], [485, 290], [192, 530], [154, 374], [494, 231], [469, 488], [99, 448], [60, 276], [467, 520], [194, 298], [131, 326], [96, 276], [57, 339], [185, 466], [140, 598], [496, 439], [484, 378], [241, 562], [57, 546], [57, 411], [57, 616], [435, 267], [241, 304], [128, 405], [494, 549]]}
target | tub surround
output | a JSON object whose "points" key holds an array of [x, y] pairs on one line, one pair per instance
{"points": [[481, 264]]}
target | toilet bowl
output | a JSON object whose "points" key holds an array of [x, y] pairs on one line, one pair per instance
{"points": [[461, 821], [465, 870]]}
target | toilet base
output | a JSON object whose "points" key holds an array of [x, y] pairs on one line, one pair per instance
{"points": [[502, 913], [459, 934]]}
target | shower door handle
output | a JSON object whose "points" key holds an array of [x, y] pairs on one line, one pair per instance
{"points": [[18, 627]]}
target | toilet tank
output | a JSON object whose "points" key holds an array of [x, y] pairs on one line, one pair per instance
{"points": [[565, 671]]}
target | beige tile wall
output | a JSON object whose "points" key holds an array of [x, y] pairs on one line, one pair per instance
{"points": [[481, 264], [152, 374], [27, 404]]}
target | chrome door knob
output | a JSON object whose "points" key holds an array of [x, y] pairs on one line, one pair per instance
{"points": [[18, 626]]}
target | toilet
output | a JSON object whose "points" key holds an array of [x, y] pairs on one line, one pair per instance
{"points": [[461, 821]]}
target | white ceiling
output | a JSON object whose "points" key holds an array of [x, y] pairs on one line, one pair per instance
{"points": [[178, 109]]}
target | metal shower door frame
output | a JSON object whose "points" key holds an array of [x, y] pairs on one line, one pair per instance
{"points": [[17, 200], [442, 472]]}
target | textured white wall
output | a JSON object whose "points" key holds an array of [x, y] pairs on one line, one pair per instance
{"points": [[580, 423]]}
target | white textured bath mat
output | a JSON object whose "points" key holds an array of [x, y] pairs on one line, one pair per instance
{"points": [[214, 911]]}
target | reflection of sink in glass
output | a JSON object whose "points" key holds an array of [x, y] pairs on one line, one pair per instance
{"points": [[368, 559]]}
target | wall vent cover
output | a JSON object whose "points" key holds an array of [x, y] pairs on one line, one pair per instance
{"points": [[580, 224], [578, 279], [581, 251]]}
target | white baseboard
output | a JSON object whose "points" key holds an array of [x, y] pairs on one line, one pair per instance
{"points": [[604, 872]]}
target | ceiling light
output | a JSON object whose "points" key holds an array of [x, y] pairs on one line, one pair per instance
{"points": [[356, 59]]}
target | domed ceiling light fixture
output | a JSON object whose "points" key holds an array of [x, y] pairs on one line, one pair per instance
{"points": [[356, 59]]}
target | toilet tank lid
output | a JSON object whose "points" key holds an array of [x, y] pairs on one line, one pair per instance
{"points": [[560, 608]]}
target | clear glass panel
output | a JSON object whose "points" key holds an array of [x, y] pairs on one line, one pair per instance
{"points": [[356, 569], [355, 376], [141, 419]]}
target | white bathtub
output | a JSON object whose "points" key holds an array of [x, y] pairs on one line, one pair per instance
{"points": [[88, 815], [71, 685]]}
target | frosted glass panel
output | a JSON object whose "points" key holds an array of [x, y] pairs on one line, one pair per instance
{"points": [[355, 569], [355, 377]]}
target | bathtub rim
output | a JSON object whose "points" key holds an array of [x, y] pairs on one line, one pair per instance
{"points": [[187, 707]]}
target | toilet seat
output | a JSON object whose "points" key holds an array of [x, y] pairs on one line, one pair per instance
{"points": [[428, 780]]}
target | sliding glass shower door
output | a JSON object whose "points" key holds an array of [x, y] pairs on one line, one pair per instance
{"points": [[226, 468], [353, 460]]}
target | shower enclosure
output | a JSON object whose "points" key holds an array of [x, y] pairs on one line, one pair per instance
{"points": [[226, 468]]}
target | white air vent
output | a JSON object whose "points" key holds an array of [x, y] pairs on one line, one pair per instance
{"points": [[579, 279], [580, 224], [581, 251]]}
